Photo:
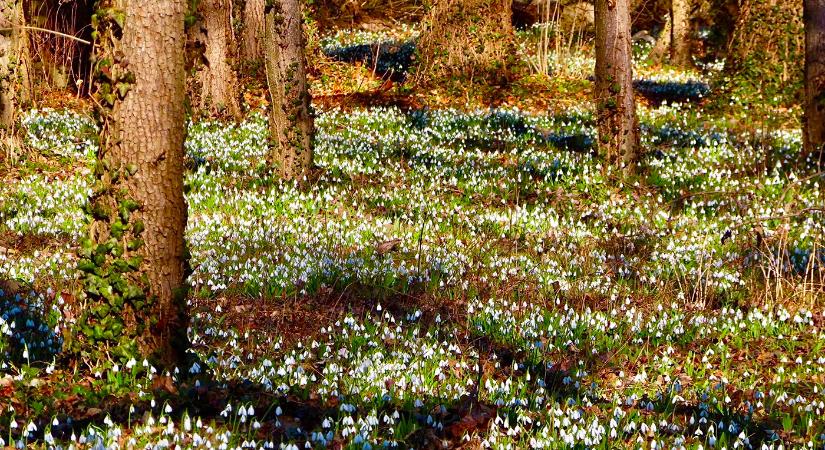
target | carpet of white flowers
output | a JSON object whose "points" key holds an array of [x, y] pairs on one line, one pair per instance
{"points": [[679, 309]]}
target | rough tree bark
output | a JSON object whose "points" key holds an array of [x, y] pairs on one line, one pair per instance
{"points": [[134, 258], [13, 76], [218, 81], [814, 131], [680, 32], [252, 35], [615, 105], [291, 122]]}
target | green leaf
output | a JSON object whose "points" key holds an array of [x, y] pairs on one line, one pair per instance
{"points": [[118, 228], [135, 244], [85, 265], [138, 227], [120, 266]]}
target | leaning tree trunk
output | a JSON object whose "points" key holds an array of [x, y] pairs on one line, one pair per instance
{"points": [[662, 46], [252, 35], [13, 76], [134, 258], [680, 32], [218, 81], [615, 105], [814, 132], [290, 119]]}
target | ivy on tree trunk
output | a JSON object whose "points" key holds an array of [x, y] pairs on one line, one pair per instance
{"points": [[291, 123], [133, 262]]}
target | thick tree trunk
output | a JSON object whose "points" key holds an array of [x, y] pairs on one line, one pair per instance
{"points": [[218, 81], [615, 104], [252, 36], [13, 73], [291, 123], [134, 260], [814, 131], [680, 32], [7, 65]]}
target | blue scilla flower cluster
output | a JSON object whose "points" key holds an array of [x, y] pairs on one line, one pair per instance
{"points": [[672, 91], [25, 335], [392, 58]]}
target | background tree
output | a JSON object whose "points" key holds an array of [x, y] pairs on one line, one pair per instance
{"points": [[467, 38], [290, 120], [13, 76], [680, 32], [133, 260], [218, 80], [814, 131], [673, 42], [615, 104], [252, 34], [661, 48], [765, 47]]}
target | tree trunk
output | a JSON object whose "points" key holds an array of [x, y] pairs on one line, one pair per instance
{"points": [[252, 35], [814, 132], [7, 65], [134, 259], [218, 81], [13, 73], [290, 120], [662, 45], [680, 32], [615, 105]]}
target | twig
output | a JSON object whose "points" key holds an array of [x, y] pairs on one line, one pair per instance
{"points": [[45, 30]]}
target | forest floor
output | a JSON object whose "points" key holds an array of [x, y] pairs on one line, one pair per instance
{"points": [[460, 272]]}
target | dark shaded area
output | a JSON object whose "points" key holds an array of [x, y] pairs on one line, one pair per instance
{"points": [[52, 53], [659, 92], [578, 143], [29, 331], [390, 59], [516, 123]]}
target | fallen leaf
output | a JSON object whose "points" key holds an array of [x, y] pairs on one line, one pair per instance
{"points": [[164, 383], [388, 246]]}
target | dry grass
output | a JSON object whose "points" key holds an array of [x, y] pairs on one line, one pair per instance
{"points": [[461, 41]]}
